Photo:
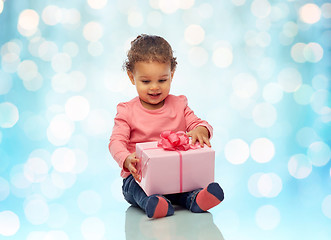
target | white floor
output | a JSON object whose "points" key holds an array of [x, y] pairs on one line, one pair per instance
{"points": [[182, 225]]}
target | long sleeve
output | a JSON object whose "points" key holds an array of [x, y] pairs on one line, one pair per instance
{"points": [[192, 121], [118, 145]]}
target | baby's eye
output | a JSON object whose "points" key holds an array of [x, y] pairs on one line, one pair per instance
{"points": [[162, 80], [145, 81]]}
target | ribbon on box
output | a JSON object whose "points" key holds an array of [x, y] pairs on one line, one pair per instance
{"points": [[175, 141]]}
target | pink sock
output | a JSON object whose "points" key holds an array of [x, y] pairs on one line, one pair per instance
{"points": [[158, 207], [209, 197], [161, 208]]}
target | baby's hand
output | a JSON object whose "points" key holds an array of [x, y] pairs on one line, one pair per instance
{"points": [[200, 134], [130, 164]]}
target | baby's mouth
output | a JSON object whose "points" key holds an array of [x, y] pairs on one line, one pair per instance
{"points": [[154, 94]]}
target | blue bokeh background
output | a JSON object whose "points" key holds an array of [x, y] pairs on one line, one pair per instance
{"points": [[257, 71]]}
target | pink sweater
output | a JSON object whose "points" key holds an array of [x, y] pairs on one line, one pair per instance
{"points": [[135, 124]]}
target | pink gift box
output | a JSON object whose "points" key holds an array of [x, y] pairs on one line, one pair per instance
{"points": [[167, 172]]}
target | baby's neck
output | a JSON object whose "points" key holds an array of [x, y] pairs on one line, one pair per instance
{"points": [[150, 106]]}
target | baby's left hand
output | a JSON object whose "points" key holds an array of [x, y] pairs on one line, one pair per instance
{"points": [[200, 134]]}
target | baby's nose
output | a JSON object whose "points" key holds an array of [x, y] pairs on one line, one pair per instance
{"points": [[155, 86]]}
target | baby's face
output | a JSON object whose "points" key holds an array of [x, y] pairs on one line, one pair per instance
{"points": [[152, 81]]}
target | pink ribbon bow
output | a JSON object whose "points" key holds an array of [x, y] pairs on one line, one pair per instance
{"points": [[175, 141]]}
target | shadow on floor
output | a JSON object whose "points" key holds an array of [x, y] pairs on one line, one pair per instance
{"points": [[182, 225]]}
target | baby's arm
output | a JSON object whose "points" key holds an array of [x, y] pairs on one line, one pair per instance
{"points": [[118, 145], [199, 130]]}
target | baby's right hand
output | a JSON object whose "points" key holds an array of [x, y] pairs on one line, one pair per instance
{"points": [[130, 164]]}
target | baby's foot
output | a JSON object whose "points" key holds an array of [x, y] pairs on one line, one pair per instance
{"points": [[158, 207], [208, 198]]}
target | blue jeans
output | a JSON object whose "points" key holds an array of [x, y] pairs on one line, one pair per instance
{"points": [[134, 195]]}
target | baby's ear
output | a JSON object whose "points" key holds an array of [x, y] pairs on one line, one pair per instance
{"points": [[130, 74], [172, 74]]}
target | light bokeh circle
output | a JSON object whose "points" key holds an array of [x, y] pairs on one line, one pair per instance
{"points": [[299, 166], [28, 22], [97, 4], [326, 10], [319, 153], [93, 31], [262, 150], [319, 101], [310, 13], [313, 52], [236, 151], [290, 29], [267, 217], [27, 70], [6, 82], [1, 6], [71, 48], [9, 223], [61, 62], [289, 79], [267, 185], [168, 6], [260, 8], [194, 34], [63, 159], [36, 169], [252, 185], [244, 85], [36, 210], [9, 115], [52, 15], [47, 50], [223, 57], [320, 82], [306, 136], [4, 188], [326, 206], [60, 130], [77, 108], [297, 52]]}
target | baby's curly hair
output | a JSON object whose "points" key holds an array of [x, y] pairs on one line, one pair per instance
{"points": [[147, 48]]}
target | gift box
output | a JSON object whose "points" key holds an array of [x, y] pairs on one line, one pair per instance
{"points": [[174, 171]]}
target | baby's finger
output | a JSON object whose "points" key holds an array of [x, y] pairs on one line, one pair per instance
{"points": [[137, 177], [194, 139], [132, 169], [206, 140], [201, 141], [189, 134], [135, 160]]}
